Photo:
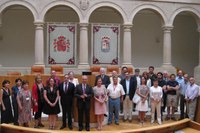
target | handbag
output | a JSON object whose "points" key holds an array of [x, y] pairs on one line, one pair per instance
{"points": [[136, 98]]}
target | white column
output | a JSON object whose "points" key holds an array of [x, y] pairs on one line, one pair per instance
{"points": [[39, 43], [167, 46], [1, 36], [127, 45], [167, 51], [197, 68], [83, 49], [199, 44]]}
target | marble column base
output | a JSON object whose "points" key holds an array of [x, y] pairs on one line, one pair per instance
{"points": [[197, 74], [39, 64], [83, 66], [169, 68], [127, 65]]}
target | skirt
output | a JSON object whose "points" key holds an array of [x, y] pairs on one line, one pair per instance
{"points": [[142, 106]]}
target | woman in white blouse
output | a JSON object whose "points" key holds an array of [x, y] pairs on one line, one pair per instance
{"points": [[156, 96]]}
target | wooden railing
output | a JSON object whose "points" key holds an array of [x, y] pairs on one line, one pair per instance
{"points": [[165, 128]]}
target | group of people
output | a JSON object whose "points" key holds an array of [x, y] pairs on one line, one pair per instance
{"points": [[111, 95]]}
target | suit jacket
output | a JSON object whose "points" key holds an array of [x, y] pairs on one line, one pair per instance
{"points": [[105, 80], [132, 86], [66, 97], [79, 91]]}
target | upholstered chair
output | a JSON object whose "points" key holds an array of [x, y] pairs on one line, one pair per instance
{"points": [[95, 70], [58, 69], [37, 70]]}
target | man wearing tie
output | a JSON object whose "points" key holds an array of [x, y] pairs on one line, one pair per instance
{"points": [[66, 90], [83, 92]]}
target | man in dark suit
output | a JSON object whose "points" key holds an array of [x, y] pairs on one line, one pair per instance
{"points": [[83, 92], [152, 75], [129, 85], [66, 90], [105, 78]]}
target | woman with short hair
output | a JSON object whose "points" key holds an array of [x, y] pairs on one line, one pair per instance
{"points": [[6, 109], [156, 94], [15, 90], [24, 101]]}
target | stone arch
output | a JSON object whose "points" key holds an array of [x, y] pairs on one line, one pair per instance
{"points": [[60, 3], [106, 4], [155, 8], [21, 3], [185, 9], [186, 36]]}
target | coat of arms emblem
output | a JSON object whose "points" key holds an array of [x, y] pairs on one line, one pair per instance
{"points": [[105, 44], [61, 44]]}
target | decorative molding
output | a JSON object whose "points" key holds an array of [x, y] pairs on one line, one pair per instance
{"points": [[71, 61], [96, 61], [51, 60], [84, 4], [115, 61]]}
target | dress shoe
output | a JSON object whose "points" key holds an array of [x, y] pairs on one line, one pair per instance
{"points": [[130, 121], [180, 119], [70, 127], [105, 115], [80, 129], [16, 124], [173, 118], [124, 120], [167, 118], [87, 129], [62, 127], [36, 126], [108, 123], [40, 125], [117, 123]]}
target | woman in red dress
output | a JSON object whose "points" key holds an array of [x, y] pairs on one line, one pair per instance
{"points": [[38, 100]]}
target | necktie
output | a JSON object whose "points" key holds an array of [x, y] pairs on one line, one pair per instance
{"points": [[66, 87], [84, 87]]}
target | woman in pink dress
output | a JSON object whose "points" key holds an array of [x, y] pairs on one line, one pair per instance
{"points": [[100, 96]]}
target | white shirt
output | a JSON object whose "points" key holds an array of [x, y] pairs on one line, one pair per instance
{"points": [[127, 85], [149, 83], [111, 80], [192, 91], [115, 91], [199, 90], [74, 81], [156, 93], [138, 81], [64, 85]]}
